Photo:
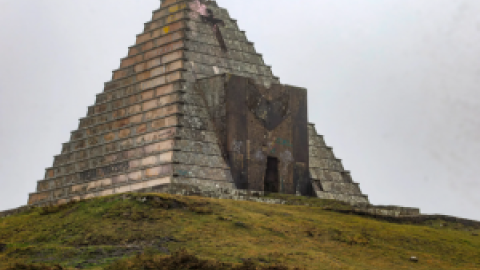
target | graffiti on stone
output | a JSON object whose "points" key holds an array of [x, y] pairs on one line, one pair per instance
{"points": [[198, 8], [259, 155], [183, 172], [284, 142], [104, 171]]}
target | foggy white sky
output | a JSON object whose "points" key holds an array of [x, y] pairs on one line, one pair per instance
{"points": [[393, 85]]}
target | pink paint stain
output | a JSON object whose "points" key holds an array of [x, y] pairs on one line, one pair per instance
{"points": [[199, 7]]}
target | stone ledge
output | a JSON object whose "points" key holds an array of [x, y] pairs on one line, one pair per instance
{"points": [[395, 214], [353, 199], [410, 219], [395, 211]]}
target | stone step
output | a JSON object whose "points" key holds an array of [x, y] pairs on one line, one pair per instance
{"points": [[352, 199], [338, 187]]}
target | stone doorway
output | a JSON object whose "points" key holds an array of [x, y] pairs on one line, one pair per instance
{"points": [[271, 181]]}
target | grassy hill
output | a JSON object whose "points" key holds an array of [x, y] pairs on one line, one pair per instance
{"points": [[139, 231]]}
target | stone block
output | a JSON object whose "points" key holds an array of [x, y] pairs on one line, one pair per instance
{"points": [[135, 176], [119, 179], [158, 171]]}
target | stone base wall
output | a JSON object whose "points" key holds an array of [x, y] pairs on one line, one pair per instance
{"points": [[396, 214], [394, 211]]}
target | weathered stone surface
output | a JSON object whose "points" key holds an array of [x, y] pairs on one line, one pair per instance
{"points": [[329, 178], [195, 182], [157, 121], [357, 199], [335, 187], [200, 147], [194, 171], [200, 159]]}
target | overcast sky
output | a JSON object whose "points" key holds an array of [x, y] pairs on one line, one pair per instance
{"points": [[393, 85]]}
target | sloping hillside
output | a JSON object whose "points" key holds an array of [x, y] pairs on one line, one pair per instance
{"points": [[98, 232]]}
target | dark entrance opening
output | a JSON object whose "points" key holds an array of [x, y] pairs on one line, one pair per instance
{"points": [[271, 182]]}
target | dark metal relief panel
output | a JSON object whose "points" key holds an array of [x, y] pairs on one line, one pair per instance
{"points": [[235, 97], [300, 122], [300, 139], [271, 112], [256, 152], [269, 139], [261, 124]]}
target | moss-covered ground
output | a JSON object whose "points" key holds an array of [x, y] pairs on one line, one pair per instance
{"points": [[140, 231]]}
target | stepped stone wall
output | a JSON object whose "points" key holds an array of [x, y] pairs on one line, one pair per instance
{"points": [[152, 126], [329, 179], [259, 196]]}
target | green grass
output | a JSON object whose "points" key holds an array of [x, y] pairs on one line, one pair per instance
{"points": [[109, 232]]}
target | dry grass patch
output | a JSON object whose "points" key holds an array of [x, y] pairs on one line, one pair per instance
{"points": [[95, 233]]}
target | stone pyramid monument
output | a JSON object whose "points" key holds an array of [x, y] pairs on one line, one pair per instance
{"points": [[194, 104]]}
